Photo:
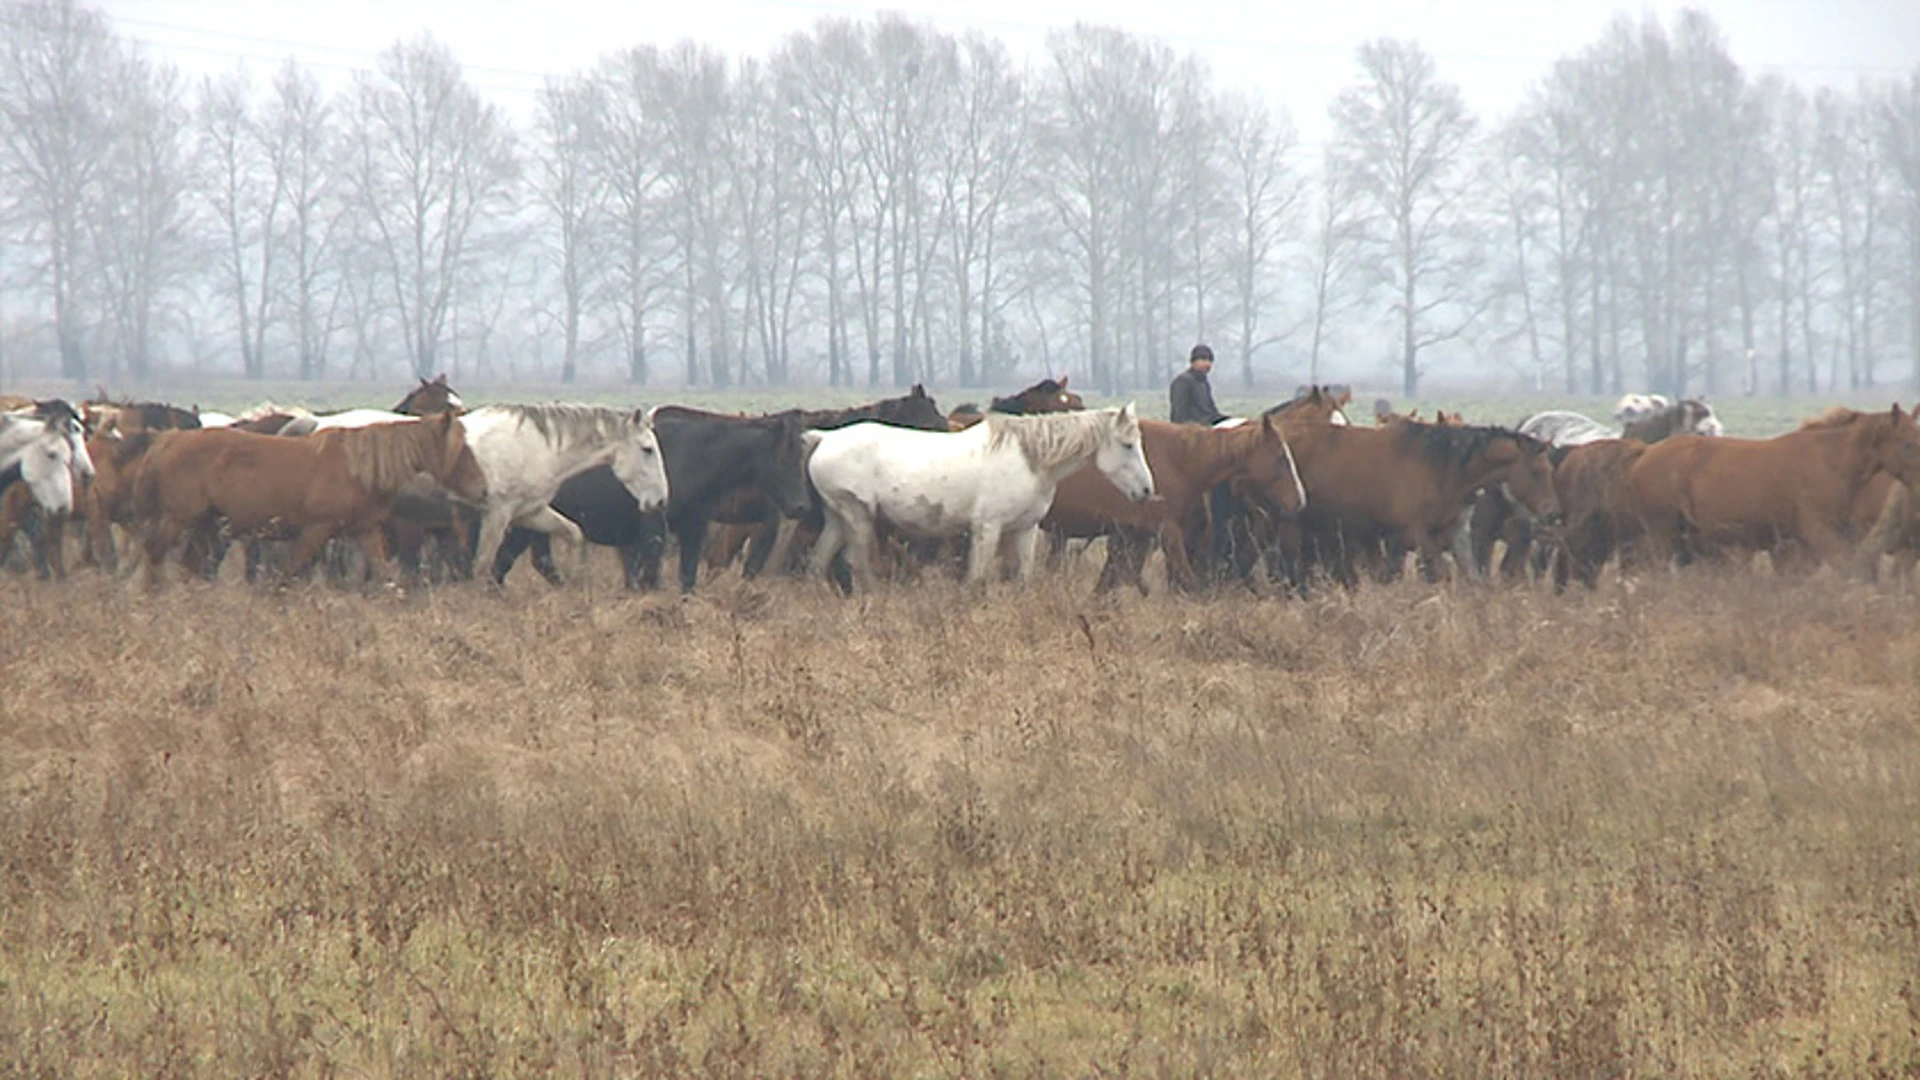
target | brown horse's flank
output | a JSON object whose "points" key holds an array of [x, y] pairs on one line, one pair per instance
{"points": [[1697, 495], [1187, 462]]}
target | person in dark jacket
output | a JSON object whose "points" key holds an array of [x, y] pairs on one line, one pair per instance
{"points": [[1191, 402], [1191, 398]]}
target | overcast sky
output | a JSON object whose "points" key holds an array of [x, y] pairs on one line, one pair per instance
{"points": [[1297, 54]]}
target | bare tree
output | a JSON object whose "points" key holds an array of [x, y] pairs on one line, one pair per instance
{"points": [[1900, 148], [300, 125], [1795, 273], [57, 132], [433, 160], [246, 173], [141, 226], [568, 192], [985, 161], [626, 155], [1402, 141], [693, 98], [1084, 161], [1265, 197], [1331, 262]]}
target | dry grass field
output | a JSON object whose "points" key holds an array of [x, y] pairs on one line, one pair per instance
{"points": [[1669, 830]]}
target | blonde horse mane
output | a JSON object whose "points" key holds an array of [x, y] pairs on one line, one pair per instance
{"points": [[1049, 440], [1835, 417], [383, 458]]}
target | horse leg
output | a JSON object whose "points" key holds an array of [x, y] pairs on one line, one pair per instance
{"points": [[517, 541], [825, 546], [54, 557], [493, 533], [760, 548], [862, 538], [692, 535], [308, 546], [373, 551], [552, 523], [1026, 549], [1180, 571], [162, 533], [1056, 549], [633, 564], [986, 541]]}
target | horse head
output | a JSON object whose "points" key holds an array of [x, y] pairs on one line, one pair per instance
{"points": [[1896, 445], [782, 474], [1525, 469], [432, 396], [1272, 470], [1121, 457], [639, 465], [916, 409]]}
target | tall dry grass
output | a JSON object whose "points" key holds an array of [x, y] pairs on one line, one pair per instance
{"points": [[1673, 831]]}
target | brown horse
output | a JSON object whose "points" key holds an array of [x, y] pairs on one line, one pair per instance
{"points": [[1591, 482], [1045, 396], [1405, 487], [1696, 495], [1187, 462], [307, 489], [1883, 515]]}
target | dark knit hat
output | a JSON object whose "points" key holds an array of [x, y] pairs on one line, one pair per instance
{"points": [[1200, 352]]}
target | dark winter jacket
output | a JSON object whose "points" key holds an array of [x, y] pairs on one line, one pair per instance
{"points": [[1191, 400]]}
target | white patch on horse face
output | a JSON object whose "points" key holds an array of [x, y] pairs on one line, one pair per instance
{"points": [[454, 402], [1293, 470]]}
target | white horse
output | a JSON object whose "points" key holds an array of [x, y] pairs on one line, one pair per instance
{"points": [[1633, 407], [43, 452], [995, 480], [1559, 427], [350, 418], [35, 425], [528, 451]]}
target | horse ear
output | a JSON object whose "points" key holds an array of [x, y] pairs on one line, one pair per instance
{"points": [[1063, 382], [919, 390]]}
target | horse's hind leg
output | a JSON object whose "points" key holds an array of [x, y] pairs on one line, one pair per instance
{"points": [[760, 547]]}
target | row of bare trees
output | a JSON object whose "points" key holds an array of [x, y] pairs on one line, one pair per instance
{"points": [[881, 202]]}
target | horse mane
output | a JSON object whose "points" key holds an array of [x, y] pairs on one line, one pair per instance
{"points": [[381, 458], [1455, 444], [154, 414], [1835, 417], [1050, 439], [567, 424], [268, 408]]}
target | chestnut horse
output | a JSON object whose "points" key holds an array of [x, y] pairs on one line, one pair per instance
{"points": [[1696, 495], [1187, 462], [310, 489], [1403, 487]]}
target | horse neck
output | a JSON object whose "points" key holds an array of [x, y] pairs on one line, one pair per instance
{"points": [[1463, 479], [1213, 457]]}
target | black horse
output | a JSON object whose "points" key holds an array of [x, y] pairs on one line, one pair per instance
{"points": [[709, 457]]}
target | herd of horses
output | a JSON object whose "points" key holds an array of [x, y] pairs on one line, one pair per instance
{"points": [[898, 488]]}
